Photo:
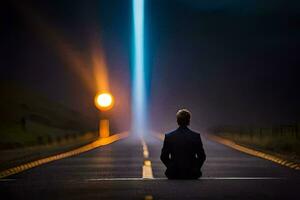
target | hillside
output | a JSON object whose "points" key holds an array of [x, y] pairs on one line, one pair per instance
{"points": [[28, 118]]}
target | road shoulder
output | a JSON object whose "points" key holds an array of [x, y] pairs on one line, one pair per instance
{"points": [[85, 148], [254, 152]]}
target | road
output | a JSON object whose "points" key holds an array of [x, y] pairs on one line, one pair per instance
{"points": [[115, 172]]}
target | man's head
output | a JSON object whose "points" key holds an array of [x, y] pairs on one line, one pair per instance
{"points": [[183, 117]]}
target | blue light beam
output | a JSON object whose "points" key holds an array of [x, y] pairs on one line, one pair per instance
{"points": [[139, 82]]}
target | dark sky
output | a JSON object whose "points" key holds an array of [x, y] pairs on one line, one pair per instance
{"points": [[229, 62]]}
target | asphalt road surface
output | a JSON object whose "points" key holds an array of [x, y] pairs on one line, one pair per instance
{"points": [[115, 171]]}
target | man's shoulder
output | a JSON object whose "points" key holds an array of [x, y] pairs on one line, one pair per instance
{"points": [[194, 133], [177, 131], [170, 134]]}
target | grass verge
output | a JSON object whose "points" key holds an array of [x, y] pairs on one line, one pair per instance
{"points": [[284, 145]]}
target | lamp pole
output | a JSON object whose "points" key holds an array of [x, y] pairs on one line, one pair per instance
{"points": [[104, 101]]}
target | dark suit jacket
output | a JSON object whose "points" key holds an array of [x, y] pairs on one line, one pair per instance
{"points": [[183, 154]]}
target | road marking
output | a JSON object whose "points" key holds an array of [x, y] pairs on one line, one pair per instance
{"points": [[145, 149], [88, 147], [202, 178], [253, 152], [147, 168]]}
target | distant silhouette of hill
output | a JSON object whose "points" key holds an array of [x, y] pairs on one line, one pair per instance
{"points": [[28, 118]]}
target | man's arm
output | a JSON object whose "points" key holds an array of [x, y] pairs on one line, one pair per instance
{"points": [[165, 152], [201, 157]]}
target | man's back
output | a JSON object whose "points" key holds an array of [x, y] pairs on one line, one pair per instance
{"points": [[183, 154]]}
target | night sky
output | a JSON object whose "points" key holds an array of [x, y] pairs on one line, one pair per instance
{"points": [[229, 62]]}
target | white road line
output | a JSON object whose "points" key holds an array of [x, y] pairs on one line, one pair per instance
{"points": [[202, 178], [147, 168]]}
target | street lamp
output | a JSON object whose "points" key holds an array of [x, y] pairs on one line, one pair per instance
{"points": [[104, 101]]}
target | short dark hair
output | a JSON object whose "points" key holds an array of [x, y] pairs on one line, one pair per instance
{"points": [[183, 117]]}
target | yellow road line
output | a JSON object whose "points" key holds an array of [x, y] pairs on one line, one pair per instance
{"points": [[145, 149], [253, 152], [147, 168], [88, 147]]}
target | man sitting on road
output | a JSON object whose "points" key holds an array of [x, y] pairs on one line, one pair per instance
{"points": [[182, 151]]}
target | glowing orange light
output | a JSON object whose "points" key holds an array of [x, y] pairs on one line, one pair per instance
{"points": [[104, 101]]}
